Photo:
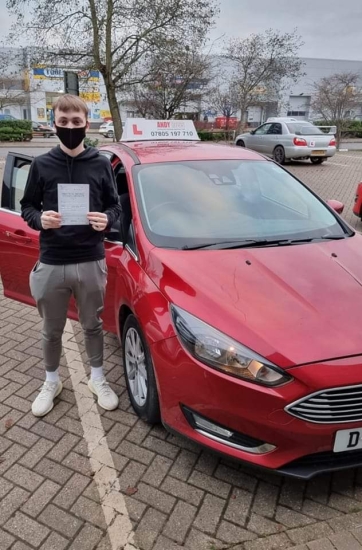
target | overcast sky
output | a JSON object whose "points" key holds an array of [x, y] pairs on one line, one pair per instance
{"points": [[330, 29]]}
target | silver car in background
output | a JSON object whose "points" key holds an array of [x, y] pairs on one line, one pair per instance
{"points": [[286, 139], [107, 129]]}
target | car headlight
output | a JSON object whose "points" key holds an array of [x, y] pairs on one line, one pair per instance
{"points": [[221, 352]]}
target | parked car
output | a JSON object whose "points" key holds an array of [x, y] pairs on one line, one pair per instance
{"points": [[42, 130], [107, 129], [235, 292], [7, 117], [289, 139]]}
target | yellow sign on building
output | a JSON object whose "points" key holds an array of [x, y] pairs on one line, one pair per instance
{"points": [[40, 72], [105, 114], [91, 97]]}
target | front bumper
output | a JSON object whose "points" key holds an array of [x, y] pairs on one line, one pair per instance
{"points": [[294, 152], [302, 449]]}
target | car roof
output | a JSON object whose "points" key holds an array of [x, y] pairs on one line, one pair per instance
{"points": [[152, 152], [281, 119]]}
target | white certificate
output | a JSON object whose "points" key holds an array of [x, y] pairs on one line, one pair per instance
{"points": [[73, 203]]}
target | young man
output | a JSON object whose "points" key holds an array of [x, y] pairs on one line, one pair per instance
{"points": [[72, 255]]}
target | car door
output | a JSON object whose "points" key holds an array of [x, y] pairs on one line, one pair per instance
{"points": [[123, 261], [256, 141], [272, 138], [19, 245], [114, 248]]}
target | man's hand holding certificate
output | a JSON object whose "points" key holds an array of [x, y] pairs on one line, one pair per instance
{"points": [[98, 220], [51, 220]]}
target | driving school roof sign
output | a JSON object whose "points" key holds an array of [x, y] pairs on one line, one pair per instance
{"points": [[141, 129]]}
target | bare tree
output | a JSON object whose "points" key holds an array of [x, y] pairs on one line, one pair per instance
{"points": [[262, 65], [177, 77], [335, 97], [110, 36], [11, 92], [14, 83], [224, 100]]}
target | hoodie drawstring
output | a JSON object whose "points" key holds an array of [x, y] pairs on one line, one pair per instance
{"points": [[70, 168]]}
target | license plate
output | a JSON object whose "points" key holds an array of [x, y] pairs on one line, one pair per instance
{"points": [[318, 153], [348, 440]]}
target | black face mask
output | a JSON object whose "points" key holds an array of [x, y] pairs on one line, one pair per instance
{"points": [[71, 137]]}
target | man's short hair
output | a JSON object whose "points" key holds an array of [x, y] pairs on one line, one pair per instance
{"points": [[69, 102]]}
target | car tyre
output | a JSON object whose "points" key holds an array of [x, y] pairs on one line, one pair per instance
{"points": [[139, 372], [279, 154], [109, 134], [240, 143], [317, 160]]}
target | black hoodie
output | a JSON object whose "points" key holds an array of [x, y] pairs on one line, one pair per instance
{"points": [[78, 243]]}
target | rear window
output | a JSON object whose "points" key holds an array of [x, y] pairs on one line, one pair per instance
{"points": [[303, 129]]}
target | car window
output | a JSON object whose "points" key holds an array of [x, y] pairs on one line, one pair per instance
{"points": [[262, 130], [275, 129], [304, 129], [18, 183], [121, 227], [131, 241], [181, 203]]}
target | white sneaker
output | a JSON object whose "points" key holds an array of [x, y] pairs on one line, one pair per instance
{"points": [[107, 399], [45, 400]]}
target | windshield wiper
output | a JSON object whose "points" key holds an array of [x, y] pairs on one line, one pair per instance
{"points": [[224, 244], [253, 243], [334, 237], [309, 240]]}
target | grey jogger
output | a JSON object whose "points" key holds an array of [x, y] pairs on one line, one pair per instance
{"points": [[52, 287]]}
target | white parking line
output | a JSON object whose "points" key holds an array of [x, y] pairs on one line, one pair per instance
{"points": [[358, 157], [119, 526]]}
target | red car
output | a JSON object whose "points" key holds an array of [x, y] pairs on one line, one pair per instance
{"points": [[236, 293]]}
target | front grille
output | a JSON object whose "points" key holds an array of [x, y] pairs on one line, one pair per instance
{"points": [[334, 406]]}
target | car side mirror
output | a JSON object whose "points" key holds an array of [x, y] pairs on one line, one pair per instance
{"points": [[252, 132], [336, 205]]}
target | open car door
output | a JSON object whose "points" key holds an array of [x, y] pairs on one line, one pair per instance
{"points": [[19, 245]]}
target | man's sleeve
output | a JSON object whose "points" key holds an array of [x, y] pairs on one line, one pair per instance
{"points": [[111, 203], [31, 203]]}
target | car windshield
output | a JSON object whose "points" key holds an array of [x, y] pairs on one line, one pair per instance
{"points": [[304, 129], [186, 203]]}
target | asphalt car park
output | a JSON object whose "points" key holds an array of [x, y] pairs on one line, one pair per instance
{"points": [[176, 493]]}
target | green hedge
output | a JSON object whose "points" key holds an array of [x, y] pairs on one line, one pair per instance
{"points": [[15, 130], [91, 142], [206, 135], [351, 128]]}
